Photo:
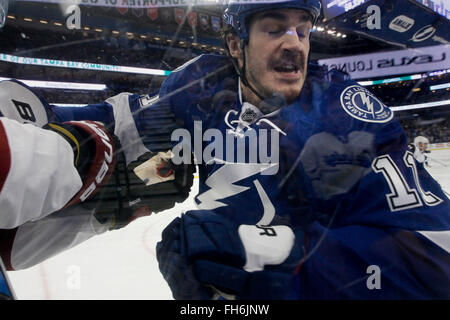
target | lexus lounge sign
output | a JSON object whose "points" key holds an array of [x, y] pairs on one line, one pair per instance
{"points": [[394, 62]]}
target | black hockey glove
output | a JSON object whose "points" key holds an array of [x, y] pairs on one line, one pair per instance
{"points": [[150, 184], [117, 193]]}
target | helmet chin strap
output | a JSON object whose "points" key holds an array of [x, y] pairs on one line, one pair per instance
{"points": [[242, 72], [267, 105]]}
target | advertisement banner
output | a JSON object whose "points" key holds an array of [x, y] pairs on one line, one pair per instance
{"points": [[79, 65], [440, 6], [192, 18], [152, 13], [334, 8], [147, 3], [204, 21], [392, 62], [405, 23], [215, 23], [138, 12], [179, 15]]}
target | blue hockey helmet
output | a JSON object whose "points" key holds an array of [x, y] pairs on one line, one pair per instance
{"points": [[238, 11]]}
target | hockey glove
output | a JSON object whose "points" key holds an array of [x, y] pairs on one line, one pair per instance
{"points": [[203, 255], [150, 184], [115, 193]]}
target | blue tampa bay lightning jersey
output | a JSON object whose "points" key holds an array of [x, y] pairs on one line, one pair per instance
{"points": [[335, 162]]}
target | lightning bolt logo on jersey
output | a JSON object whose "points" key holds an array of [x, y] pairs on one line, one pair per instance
{"points": [[361, 104], [244, 176]]}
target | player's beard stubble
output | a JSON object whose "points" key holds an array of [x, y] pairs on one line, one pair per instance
{"points": [[280, 79]]}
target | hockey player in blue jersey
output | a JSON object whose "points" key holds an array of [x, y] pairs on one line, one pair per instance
{"points": [[361, 211], [307, 187]]}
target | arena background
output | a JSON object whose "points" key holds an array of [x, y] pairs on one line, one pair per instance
{"points": [[83, 52]]}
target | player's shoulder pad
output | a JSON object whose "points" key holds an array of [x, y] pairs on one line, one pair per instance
{"points": [[357, 101], [21, 103]]}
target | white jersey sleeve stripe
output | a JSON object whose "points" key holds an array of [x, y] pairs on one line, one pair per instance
{"points": [[125, 128]]}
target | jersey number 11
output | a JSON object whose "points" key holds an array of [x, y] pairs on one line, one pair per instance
{"points": [[402, 196]]}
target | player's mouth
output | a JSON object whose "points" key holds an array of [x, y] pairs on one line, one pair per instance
{"points": [[287, 68], [290, 70]]}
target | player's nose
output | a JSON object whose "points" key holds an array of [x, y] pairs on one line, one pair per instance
{"points": [[293, 40]]}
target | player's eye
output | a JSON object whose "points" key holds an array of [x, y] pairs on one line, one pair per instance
{"points": [[303, 31], [275, 32]]}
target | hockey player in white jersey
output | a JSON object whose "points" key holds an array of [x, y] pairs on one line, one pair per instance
{"points": [[420, 149], [38, 177]]}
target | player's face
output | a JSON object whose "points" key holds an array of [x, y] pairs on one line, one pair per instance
{"points": [[277, 53], [423, 146]]}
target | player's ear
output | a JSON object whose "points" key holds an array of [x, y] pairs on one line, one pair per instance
{"points": [[233, 43]]}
